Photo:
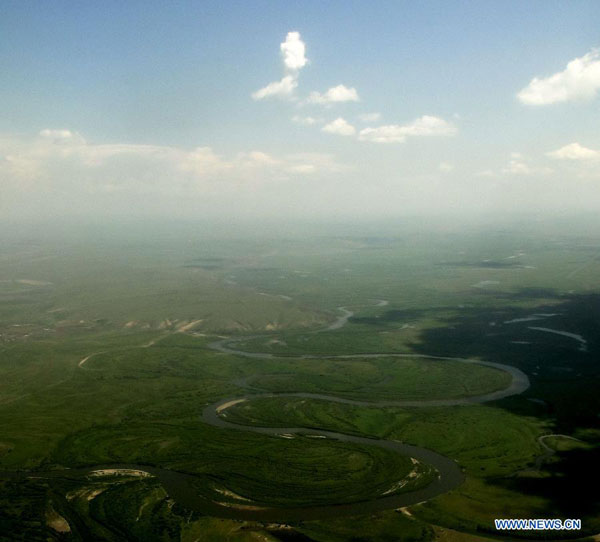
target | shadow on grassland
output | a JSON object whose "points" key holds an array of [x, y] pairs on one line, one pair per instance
{"points": [[571, 484], [565, 381]]}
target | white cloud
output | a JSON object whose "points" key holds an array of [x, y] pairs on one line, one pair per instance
{"points": [[446, 167], [337, 94], [428, 125], [61, 137], [293, 51], [312, 163], [369, 117], [57, 134], [574, 151], [258, 159], [580, 80], [516, 167], [280, 89], [339, 126], [305, 121], [519, 165], [393, 133], [294, 59]]}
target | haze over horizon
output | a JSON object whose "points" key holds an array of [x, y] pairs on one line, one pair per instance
{"points": [[229, 110]]}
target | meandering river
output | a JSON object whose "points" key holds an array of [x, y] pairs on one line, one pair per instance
{"points": [[182, 487]]}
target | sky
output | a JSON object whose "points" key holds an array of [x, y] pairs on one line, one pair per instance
{"points": [[343, 110]]}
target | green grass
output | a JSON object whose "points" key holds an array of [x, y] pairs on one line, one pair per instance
{"points": [[61, 300], [309, 470], [390, 526], [486, 441], [381, 379], [49, 397]]}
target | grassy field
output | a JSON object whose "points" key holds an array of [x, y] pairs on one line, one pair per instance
{"points": [[380, 379], [313, 471], [142, 312], [486, 441]]}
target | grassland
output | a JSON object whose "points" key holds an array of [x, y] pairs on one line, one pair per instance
{"points": [[484, 440], [380, 379], [144, 313]]}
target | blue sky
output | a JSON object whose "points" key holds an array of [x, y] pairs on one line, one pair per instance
{"points": [[102, 104]]}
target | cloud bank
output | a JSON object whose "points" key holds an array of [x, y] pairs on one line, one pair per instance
{"points": [[59, 163]]}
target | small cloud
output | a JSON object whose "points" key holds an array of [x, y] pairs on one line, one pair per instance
{"points": [[279, 89], [446, 167], [428, 125], [393, 133], [580, 80], [62, 136], [517, 165], [310, 162], [369, 117], [337, 94], [258, 158], [305, 121], [293, 51], [339, 126], [574, 151], [56, 134]]}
